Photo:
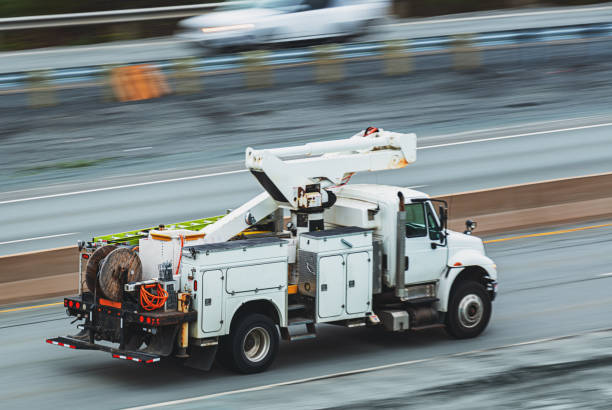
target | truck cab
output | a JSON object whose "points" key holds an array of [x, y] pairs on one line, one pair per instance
{"points": [[420, 257]]}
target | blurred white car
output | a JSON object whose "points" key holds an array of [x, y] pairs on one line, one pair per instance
{"points": [[277, 21]]}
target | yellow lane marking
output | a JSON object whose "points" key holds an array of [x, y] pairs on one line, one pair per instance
{"points": [[535, 235], [31, 307]]}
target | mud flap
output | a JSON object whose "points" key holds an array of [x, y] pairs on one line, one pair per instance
{"points": [[201, 358]]}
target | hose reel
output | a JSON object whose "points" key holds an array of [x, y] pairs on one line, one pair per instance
{"points": [[109, 268]]}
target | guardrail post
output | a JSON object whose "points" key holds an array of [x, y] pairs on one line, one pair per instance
{"points": [[41, 91], [398, 60], [108, 94], [187, 79], [329, 66], [258, 72], [465, 55]]}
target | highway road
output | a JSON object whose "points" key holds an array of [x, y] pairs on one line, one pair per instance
{"points": [[170, 48], [550, 286]]}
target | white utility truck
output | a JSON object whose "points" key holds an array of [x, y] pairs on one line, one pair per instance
{"points": [[232, 286]]}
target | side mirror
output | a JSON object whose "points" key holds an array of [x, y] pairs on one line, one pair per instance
{"points": [[469, 226]]}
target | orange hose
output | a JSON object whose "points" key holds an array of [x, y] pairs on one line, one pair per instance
{"points": [[149, 301]]}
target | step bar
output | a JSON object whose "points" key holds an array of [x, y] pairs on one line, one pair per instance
{"points": [[137, 356]]}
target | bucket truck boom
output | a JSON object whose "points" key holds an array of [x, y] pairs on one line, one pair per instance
{"points": [[305, 185]]}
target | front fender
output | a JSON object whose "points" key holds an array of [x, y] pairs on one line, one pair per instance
{"points": [[457, 264], [470, 257]]}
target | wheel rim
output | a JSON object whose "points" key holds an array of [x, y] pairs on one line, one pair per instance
{"points": [[471, 310], [256, 344]]}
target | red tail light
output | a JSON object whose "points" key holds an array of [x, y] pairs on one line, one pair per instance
{"points": [[78, 305], [149, 320], [141, 318], [65, 302], [195, 285], [85, 256], [71, 303]]}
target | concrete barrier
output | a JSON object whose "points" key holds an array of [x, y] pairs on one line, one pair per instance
{"points": [[53, 272], [535, 204]]}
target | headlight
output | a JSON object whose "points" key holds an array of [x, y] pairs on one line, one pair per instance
{"points": [[227, 28]]}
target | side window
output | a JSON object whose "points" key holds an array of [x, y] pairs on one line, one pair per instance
{"points": [[316, 4], [415, 221], [434, 228]]}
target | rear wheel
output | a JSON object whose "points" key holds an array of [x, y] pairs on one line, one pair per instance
{"points": [[469, 310], [253, 344]]}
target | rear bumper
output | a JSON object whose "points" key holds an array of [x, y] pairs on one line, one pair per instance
{"points": [[125, 327], [71, 343]]}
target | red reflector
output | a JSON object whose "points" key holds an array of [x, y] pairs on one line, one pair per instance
{"points": [[85, 256], [141, 319], [49, 341], [65, 302], [116, 356], [195, 285], [149, 320], [158, 321], [78, 305], [71, 303]]}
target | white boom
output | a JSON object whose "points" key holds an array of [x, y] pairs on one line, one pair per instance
{"points": [[328, 163]]}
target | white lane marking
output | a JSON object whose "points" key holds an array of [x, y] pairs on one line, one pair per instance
{"points": [[603, 275], [94, 48], [527, 134], [110, 188], [501, 16], [358, 371], [506, 127], [137, 149], [10, 201], [38, 237]]}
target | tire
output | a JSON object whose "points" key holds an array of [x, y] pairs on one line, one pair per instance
{"points": [[469, 310], [252, 345]]}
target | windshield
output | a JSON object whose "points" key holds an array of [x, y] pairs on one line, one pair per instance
{"points": [[263, 4]]}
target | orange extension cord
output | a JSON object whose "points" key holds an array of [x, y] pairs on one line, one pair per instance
{"points": [[149, 301]]}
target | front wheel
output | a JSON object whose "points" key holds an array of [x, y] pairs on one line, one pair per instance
{"points": [[469, 310], [253, 344]]}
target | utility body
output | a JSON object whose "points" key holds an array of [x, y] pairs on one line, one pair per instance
{"points": [[311, 249]]}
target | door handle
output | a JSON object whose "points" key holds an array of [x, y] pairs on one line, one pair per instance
{"points": [[406, 263]]}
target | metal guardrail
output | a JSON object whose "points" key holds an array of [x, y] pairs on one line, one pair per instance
{"points": [[112, 16], [344, 52]]}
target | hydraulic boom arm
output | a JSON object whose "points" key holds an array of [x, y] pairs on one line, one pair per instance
{"points": [[305, 183]]}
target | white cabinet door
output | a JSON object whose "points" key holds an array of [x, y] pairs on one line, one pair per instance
{"points": [[358, 278], [211, 300], [331, 283]]}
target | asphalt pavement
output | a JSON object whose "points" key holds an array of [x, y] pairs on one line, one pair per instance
{"points": [[170, 48], [550, 286]]}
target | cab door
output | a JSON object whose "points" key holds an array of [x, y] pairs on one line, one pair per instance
{"points": [[426, 258]]}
